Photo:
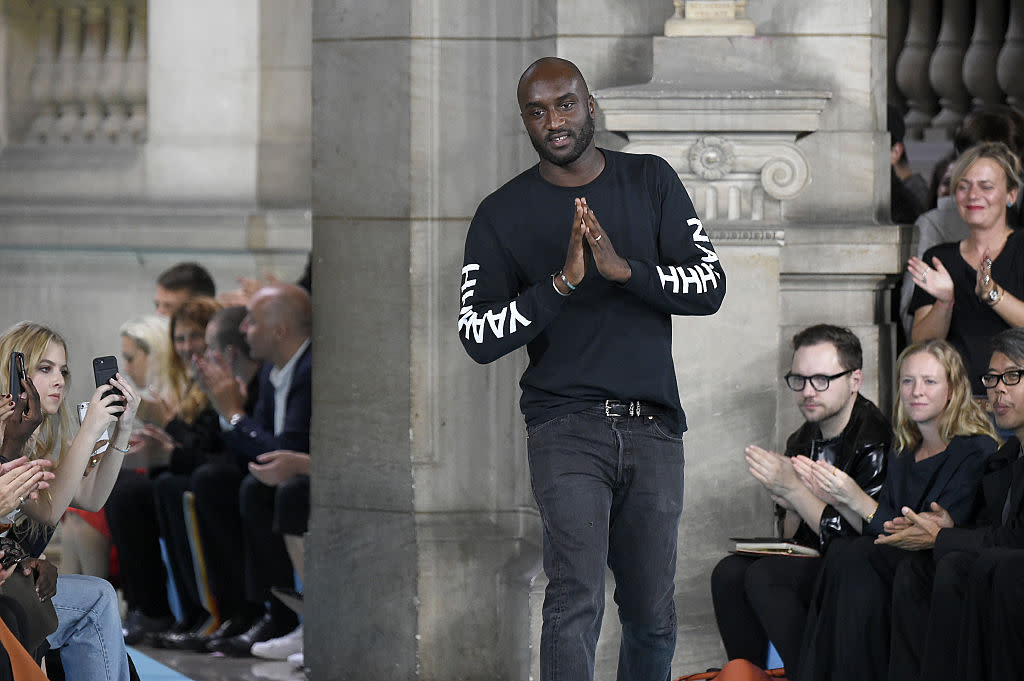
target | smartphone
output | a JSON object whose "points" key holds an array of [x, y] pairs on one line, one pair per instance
{"points": [[17, 373], [103, 369]]}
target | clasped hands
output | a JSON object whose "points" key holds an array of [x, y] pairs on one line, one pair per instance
{"points": [[915, 531], [587, 234]]}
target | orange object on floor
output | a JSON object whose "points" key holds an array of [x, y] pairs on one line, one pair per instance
{"points": [[739, 670]]}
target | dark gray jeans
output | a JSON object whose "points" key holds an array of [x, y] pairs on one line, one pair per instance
{"points": [[610, 491]]}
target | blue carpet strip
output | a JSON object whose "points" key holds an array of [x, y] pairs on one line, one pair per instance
{"points": [[151, 670]]}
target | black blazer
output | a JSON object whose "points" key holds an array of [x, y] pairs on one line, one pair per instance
{"points": [[254, 435], [989, 531]]}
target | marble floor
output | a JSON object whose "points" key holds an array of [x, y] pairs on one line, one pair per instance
{"points": [[209, 667]]}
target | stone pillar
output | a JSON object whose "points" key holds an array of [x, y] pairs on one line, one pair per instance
{"points": [[423, 540]]}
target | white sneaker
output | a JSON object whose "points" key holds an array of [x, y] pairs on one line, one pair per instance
{"points": [[297, 660], [279, 648]]}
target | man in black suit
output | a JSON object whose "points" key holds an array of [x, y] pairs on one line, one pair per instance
{"points": [[277, 327], [934, 590]]}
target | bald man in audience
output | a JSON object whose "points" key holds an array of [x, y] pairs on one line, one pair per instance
{"points": [[277, 327]]}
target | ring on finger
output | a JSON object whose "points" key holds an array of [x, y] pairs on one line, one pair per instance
{"points": [[598, 237]]}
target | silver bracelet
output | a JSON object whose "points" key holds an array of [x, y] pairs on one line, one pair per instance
{"points": [[116, 448], [554, 286]]}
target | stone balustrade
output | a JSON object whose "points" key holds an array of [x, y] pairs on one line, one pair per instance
{"points": [[948, 56], [88, 82]]}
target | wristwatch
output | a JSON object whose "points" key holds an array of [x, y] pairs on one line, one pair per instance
{"points": [[236, 418]]}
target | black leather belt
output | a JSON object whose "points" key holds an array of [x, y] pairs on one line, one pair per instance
{"points": [[632, 408]]}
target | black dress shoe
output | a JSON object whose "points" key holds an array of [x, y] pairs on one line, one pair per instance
{"points": [[198, 641], [239, 646], [138, 624], [163, 639]]}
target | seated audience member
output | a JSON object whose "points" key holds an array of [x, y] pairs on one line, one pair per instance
{"points": [[967, 292], [942, 175], [758, 599], [943, 440], [277, 328], [930, 591], [185, 438], [908, 190], [944, 224], [88, 630], [216, 484], [177, 284]]}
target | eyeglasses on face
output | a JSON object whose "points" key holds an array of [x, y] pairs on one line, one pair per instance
{"points": [[1011, 377], [819, 382]]}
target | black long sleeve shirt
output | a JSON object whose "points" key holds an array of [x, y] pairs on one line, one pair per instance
{"points": [[605, 341]]}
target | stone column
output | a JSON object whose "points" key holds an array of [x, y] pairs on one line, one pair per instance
{"points": [[423, 540]]}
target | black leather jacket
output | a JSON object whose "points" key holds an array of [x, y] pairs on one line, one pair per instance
{"points": [[859, 451]]}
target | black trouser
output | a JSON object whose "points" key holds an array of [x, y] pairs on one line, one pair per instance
{"points": [[992, 634], [928, 608], [762, 599], [848, 625], [132, 517], [266, 559]]}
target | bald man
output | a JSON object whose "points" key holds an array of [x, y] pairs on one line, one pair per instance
{"points": [[277, 327], [583, 259]]}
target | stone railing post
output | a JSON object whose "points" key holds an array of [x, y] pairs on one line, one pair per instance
{"points": [[65, 90], [946, 69], [980, 58], [43, 79], [912, 66], [111, 87], [90, 68], [136, 77], [1011, 57], [898, 17]]}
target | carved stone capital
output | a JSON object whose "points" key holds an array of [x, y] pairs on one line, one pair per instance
{"points": [[735, 177]]}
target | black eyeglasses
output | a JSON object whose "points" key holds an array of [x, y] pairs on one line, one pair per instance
{"points": [[1011, 377], [819, 382]]}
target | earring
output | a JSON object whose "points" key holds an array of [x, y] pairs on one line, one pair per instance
{"points": [[1009, 202]]}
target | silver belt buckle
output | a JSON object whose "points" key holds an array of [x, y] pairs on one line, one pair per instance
{"points": [[634, 408], [608, 408]]}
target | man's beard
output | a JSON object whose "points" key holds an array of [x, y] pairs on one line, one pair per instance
{"points": [[582, 141]]}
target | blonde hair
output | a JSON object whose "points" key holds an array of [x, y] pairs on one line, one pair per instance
{"points": [[191, 398], [961, 416], [994, 151], [152, 335], [55, 433]]}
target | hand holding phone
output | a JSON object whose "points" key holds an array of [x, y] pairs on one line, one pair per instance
{"points": [[104, 369], [17, 369]]}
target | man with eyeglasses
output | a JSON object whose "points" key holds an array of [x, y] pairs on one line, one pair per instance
{"points": [[946, 598], [762, 599]]}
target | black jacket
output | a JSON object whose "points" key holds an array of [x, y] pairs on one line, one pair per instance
{"points": [[990, 531], [859, 451]]}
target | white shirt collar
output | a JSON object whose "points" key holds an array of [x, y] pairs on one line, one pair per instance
{"points": [[282, 378]]}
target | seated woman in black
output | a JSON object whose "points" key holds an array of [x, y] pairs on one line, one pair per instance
{"points": [[943, 439]]}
